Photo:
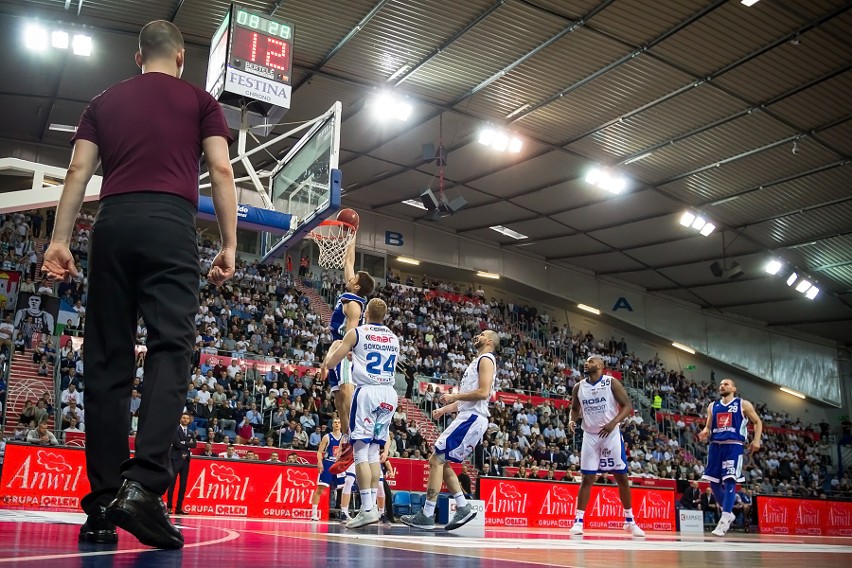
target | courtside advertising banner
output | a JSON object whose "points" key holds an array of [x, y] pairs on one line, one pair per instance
{"points": [[37, 477], [528, 503], [409, 474], [816, 517], [209, 361]]}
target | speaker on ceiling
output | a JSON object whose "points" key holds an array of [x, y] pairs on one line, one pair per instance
{"points": [[429, 200], [428, 152], [734, 272], [455, 204], [716, 269]]}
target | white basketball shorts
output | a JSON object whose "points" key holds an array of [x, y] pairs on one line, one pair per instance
{"points": [[603, 454], [461, 437], [371, 413], [340, 375]]}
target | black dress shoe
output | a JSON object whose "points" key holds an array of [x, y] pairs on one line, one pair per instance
{"points": [[180, 511], [98, 529], [142, 513]]}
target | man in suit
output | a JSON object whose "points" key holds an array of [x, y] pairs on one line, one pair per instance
{"points": [[691, 498], [183, 441]]}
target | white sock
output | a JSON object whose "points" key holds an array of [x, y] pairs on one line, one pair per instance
{"points": [[373, 492], [314, 510], [366, 499], [460, 499], [628, 515], [429, 508], [578, 516], [729, 516]]}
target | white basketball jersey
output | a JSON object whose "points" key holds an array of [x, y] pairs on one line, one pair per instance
{"points": [[598, 403], [374, 356], [470, 382]]}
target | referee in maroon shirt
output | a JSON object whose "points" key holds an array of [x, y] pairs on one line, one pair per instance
{"points": [[148, 133]]}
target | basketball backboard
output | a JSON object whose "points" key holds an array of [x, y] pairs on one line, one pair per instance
{"points": [[306, 182]]}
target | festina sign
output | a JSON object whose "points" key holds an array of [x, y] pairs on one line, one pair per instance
{"points": [[260, 88]]}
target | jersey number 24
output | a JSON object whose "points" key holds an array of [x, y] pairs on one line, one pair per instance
{"points": [[376, 364]]}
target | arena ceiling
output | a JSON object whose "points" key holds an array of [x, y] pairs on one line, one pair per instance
{"points": [[742, 114]]}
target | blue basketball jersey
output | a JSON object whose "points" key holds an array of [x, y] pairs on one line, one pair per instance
{"points": [[728, 423], [333, 448], [338, 317]]}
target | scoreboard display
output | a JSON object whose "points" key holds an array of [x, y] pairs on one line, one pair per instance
{"points": [[251, 58]]}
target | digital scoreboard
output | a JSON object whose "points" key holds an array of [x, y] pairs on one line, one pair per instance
{"points": [[251, 58]]}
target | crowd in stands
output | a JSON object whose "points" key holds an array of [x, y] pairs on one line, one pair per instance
{"points": [[261, 314]]}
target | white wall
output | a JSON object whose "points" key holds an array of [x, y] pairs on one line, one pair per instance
{"points": [[748, 387]]}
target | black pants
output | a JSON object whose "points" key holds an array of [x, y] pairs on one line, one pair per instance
{"points": [[180, 467], [143, 258]]}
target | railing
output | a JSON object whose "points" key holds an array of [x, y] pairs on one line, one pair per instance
{"points": [[4, 372]]}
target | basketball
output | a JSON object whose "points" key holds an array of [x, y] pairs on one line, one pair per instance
{"points": [[349, 216]]}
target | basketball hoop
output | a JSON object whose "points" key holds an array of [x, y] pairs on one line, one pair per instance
{"points": [[332, 237]]}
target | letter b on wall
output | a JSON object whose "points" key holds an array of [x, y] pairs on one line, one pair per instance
{"points": [[394, 239]]}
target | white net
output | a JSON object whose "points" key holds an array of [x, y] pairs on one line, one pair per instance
{"points": [[332, 238]]}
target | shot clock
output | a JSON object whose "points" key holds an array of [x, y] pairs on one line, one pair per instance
{"points": [[251, 57]]}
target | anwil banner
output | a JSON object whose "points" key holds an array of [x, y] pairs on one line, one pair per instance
{"points": [[409, 474], [529, 503], [36, 477], [790, 515]]}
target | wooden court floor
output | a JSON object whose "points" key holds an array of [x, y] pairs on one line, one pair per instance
{"points": [[36, 539]]}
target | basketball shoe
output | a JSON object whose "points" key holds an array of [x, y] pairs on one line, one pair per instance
{"points": [[634, 530], [419, 521], [576, 529], [724, 524], [462, 516], [364, 518]]}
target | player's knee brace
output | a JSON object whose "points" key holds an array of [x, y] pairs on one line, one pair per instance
{"points": [[347, 485], [374, 454], [362, 450]]}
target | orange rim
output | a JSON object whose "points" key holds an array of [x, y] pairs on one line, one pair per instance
{"points": [[346, 230]]}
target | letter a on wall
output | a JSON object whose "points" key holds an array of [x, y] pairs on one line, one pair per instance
{"points": [[622, 304]]}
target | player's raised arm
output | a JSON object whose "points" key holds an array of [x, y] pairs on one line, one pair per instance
{"points": [[349, 262]]}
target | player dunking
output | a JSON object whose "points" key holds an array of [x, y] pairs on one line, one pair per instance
{"points": [[375, 350], [327, 453], [461, 436], [727, 428], [347, 315], [603, 403]]}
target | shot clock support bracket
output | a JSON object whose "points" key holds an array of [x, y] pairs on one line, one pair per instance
{"points": [[241, 151]]}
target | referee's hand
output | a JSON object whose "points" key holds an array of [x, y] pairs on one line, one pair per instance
{"points": [[223, 267], [59, 263]]}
